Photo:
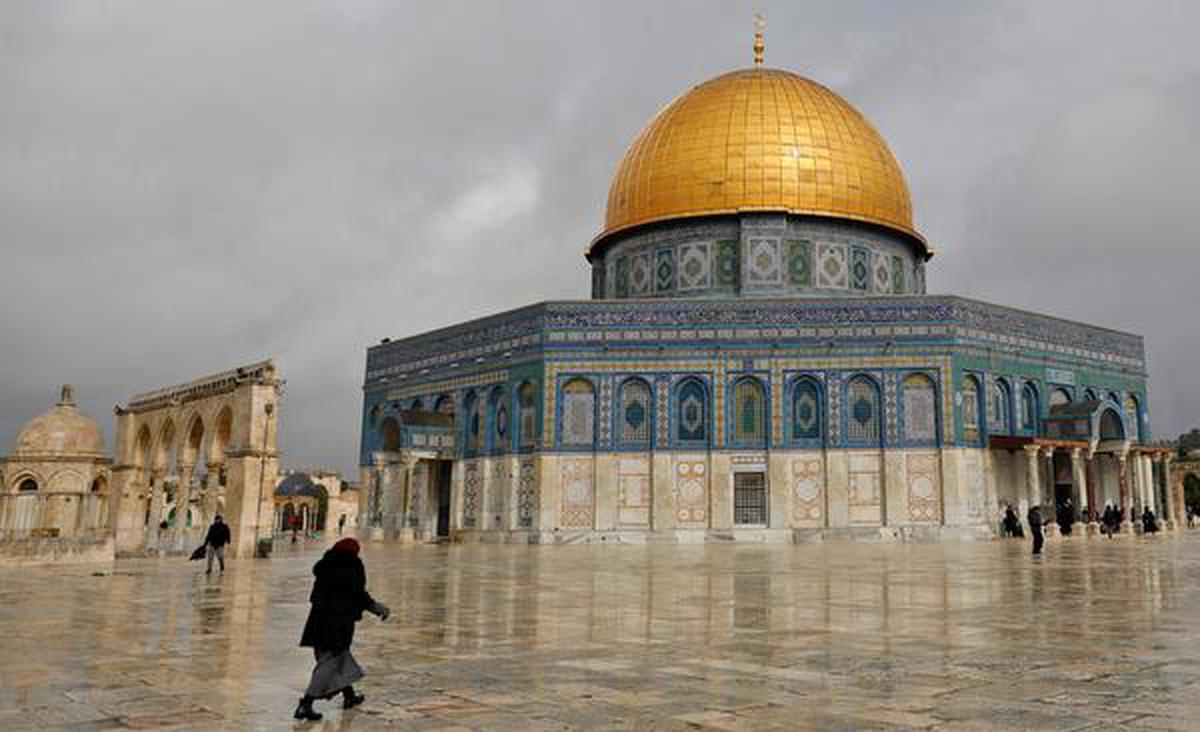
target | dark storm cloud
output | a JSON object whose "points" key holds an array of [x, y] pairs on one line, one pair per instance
{"points": [[189, 186]]}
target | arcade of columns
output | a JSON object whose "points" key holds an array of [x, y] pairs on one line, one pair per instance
{"points": [[1143, 480]]}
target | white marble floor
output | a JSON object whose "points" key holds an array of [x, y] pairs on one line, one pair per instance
{"points": [[1096, 634]]}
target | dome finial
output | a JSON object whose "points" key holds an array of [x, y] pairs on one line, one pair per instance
{"points": [[760, 25], [67, 397]]}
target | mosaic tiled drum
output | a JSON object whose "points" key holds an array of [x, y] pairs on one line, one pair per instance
{"points": [[759, 361]]}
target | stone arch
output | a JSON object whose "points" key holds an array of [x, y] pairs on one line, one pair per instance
{"points": [[66, 481], [222, 431], [165, 450], [142, 448], [26, 482], [190, 448]]}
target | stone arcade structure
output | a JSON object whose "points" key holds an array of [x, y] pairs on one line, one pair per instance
{"points": [[186, 452], [54, 488], [759, 361]]}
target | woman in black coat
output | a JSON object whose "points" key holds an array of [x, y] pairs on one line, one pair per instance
{"points": [[339, 598]]}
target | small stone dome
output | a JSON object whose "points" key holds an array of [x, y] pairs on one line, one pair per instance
{"points": [[63, 430]]}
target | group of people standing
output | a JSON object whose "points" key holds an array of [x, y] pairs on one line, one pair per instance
{"points": [[1110, 521]]}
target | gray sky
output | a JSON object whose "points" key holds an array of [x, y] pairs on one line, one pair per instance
{"points": [[187, 186]]}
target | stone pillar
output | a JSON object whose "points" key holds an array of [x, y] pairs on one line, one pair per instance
{"points": [[374, 522], [1032, 481], [1093, 476], [1049, 493], [1080, 483], [183, 498], [1123, 478]]}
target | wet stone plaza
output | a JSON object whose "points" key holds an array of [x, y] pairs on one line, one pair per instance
{"points": [[1097, 634]]}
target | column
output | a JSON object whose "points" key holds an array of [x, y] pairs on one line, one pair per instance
{"points": [[183, 499], [1032, 483], [1079, 479], [1123, 478], [1151, 486], [406, 505], [157, 498], [1093, 475], [1049, 493]]}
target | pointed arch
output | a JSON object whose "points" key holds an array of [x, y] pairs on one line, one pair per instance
{"points": [[499, 422], [165, 451], [749, 416], [1000, 406], [221, 434], [472, 424], [807, 416], [142, 447], [527, 416], [578, 413], [972, 398], [1132, 407], [1030, 408], [919, 409], [635, 413], [691, 412], [389, 434], [1111, 425], [864, 416], [195, 437]]}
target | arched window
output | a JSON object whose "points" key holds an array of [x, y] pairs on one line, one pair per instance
{"points": [[498, 408], [1090, 395], [1000, 413], [919, 404], [390, 431], [807, 417], [1029, 408], [692, 411], [970, 408], [1133, 423], [527, 422], [578, 413], [444, 405], [749, 412], [473, 426], [1110, 426], [863, 418], [29, 484], [415, 405], [634, 414], [1059, 396]]}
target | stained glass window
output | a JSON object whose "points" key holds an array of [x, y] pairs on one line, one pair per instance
{"points": [[528, 415], [1000, 411], [1029, 408], [806, 411], [863, 405], [970, 409], [500, 420], [750, 412], [474, 429], [920, 409], [693, 408], [578, 413], [634, 414]]}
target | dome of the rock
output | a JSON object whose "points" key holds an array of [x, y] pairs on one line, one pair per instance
{"points": [[759, 140]]}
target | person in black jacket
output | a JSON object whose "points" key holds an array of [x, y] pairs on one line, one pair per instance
{"points": [[214, 543], [1035, 528], [339, 598]]}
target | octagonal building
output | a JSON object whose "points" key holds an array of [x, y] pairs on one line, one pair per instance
{"points": [[759, 361]]}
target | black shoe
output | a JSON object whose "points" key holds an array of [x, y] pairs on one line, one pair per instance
{"points": [[305, 711], [351, 700]]}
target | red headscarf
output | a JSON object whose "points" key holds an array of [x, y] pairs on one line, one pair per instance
{"points": [[347, 545]]}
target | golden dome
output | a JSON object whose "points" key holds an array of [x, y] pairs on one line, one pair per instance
{"points": [[63, 430], [759, 140]]}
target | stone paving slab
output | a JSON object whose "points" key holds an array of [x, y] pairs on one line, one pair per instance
{"points": [[1094, 635]]}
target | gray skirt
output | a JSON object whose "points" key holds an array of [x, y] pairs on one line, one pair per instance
{"points": [[335, 671]]}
